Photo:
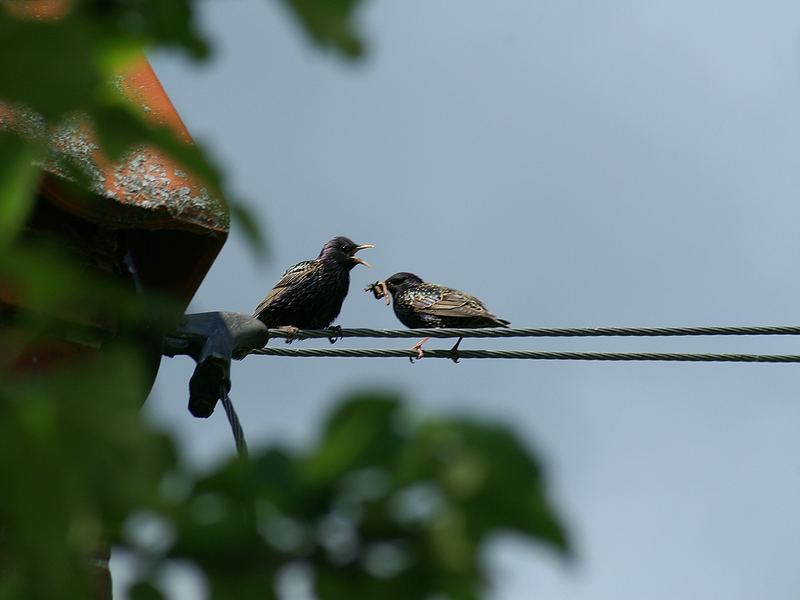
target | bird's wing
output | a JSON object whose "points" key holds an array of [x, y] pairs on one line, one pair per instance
{"points": [[450, 303], [290, 277]]}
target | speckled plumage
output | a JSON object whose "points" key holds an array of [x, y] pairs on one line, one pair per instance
{"points": [[310, 294], [418, 304]]}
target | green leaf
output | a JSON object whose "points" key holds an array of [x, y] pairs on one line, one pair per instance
{"points": [[153, 22], [143, 590], [253, 233], [51, 67], [18, 179], [329, 23], [496, 479], [89, 461], [361, 433]]}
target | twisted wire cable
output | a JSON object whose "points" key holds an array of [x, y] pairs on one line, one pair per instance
{"points": [[233, 419], [527, 354], [508, 332]]}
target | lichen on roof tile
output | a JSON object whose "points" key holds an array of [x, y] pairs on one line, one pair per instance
{"points": [[145, 177]]}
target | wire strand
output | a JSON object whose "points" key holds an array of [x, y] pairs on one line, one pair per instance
{"points": [[233, 419], [508, 332], [526, 355]]}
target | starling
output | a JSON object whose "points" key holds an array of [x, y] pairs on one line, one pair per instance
{"points": [[418, 304], [310, 294]]}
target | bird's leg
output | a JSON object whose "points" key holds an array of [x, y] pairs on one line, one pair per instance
{"points": [[454, 351], [290, 330], [418, 348], [337, 330]]}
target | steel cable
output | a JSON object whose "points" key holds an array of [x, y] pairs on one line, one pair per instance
{"points": [[507, 332], [526, 354]]}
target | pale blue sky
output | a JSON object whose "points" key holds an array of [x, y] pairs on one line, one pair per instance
{"points": [[573, 164]]}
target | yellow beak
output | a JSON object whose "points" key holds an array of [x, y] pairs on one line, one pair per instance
{"points": [[356, 249]]}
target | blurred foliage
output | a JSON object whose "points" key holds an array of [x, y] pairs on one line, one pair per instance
{"points": [[18, 179], [385, 505], [75, 460], [329, 23]]}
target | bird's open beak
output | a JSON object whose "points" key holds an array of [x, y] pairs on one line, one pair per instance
{"points": [[356, 249]]}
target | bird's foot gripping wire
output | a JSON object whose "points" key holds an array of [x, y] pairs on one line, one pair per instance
{"points": [[291, 332], [418, 348], [379, 290], [421, 352], [337, 333]]}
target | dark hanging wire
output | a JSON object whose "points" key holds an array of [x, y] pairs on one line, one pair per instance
{"points": [[233, 419]]}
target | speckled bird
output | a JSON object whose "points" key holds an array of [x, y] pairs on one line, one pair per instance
{"points": [[418, 304], [310, 294]]}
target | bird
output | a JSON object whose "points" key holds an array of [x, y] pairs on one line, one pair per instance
{"points": [[429, 305], [309, 295]]}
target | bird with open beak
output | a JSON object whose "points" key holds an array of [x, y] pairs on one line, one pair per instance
{"points": [[310, 294]]}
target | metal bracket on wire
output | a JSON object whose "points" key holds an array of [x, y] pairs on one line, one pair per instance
{"points": [[212, 340]]}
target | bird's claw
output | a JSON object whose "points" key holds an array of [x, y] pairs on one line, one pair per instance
{"points": [[420, 355], [379, 290], [291, 332], [337, 330]]}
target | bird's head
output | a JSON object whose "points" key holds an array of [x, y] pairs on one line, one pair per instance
{"points": [[401, 281], [343, 251]]}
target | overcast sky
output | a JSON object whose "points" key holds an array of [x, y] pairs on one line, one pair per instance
{"points": [[572, 163]]}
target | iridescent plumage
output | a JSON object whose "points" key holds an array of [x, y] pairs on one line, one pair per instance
{"points": [[420, 305], [310, 294]]}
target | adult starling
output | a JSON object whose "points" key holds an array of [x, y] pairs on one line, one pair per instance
{"points": [[310, 294], [418, 304]]}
